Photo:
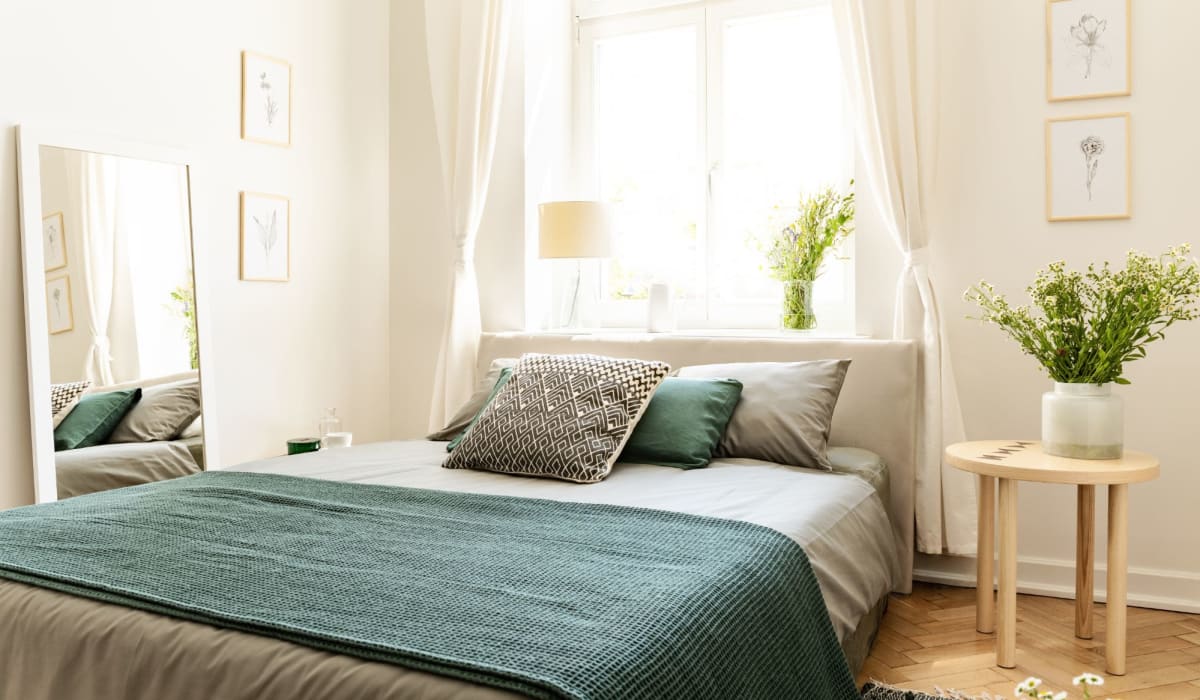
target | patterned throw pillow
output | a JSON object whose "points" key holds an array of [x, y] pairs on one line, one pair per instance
{"points": [[562, 416], [64, 397]]}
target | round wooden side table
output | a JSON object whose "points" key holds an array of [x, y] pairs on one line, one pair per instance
{"points": [[1016, 460]]}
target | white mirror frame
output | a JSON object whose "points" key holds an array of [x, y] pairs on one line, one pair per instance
{"points": [[37, 338]]}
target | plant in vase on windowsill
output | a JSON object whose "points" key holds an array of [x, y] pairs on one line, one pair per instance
{"points": [[796, 253], [1083, 327]]}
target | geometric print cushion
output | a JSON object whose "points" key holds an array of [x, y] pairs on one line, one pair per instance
{"points": [[561, 416], [63, 398]]}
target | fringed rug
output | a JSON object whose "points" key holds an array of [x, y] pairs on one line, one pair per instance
{"points": [[879, 691]]}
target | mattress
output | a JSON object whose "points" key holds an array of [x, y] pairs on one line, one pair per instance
{"points": [[104, 467], [58, 645]]}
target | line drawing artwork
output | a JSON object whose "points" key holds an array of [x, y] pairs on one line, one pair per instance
{"points": [[57, 293], [51, 236], [270, 105], [265, 237], [1092, 148], [1085, 41], [268, 233]]}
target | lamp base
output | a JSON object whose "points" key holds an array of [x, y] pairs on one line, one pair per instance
{"points": [[576, 291]]}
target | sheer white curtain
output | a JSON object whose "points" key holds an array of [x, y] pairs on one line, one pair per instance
{"points": [[93, 182], [888, 53], [467, 44]]}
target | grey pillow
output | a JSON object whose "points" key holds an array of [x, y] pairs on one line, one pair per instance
{"points": [[163, 413], [466, 413], [194, 429], [785, 412]]}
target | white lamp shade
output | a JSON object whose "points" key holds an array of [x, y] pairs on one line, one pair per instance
{"points": [[575, 230]]}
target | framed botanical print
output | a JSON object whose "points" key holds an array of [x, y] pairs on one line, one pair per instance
{"points": [[60, 314], [266, 99], [1088, 47], [265, 237], [1088, 168], [54, 242]]}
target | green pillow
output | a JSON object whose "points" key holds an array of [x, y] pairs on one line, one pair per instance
{"points": [[683, 423], [94, 418], [505, 375]]}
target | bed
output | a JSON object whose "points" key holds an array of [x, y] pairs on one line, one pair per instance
{"points": [[854, 524], [114, 466]]}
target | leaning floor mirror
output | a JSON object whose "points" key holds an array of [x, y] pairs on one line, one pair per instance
{"points": [[119, 373]]}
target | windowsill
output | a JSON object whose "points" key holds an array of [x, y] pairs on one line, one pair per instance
{"points": [[773, 333]]}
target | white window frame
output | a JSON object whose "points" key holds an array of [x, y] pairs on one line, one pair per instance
{"points": [[602, 19]]}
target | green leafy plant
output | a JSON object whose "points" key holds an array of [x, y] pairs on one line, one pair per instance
{"points": [[795, 254], [183, 300], [1083, 327]]}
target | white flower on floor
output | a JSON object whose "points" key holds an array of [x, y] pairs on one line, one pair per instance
{"points": [[1087, 679], [1027, 685]]}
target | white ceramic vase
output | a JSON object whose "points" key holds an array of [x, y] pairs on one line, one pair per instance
{"points": [[1083, 421]]}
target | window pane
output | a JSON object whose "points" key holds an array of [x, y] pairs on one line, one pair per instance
{"points": [[783, 133], [648, 158]]}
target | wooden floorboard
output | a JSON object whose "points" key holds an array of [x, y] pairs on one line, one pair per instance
{"points": [[928, 640]]}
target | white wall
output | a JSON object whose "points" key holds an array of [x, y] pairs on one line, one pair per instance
{"points": [[990, 223], [420, 264], [169, 73]]}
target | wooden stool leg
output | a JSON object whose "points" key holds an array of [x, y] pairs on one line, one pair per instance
{"points": [[1085, 554], [1118, 561], [1006, 639], [985, 595]]}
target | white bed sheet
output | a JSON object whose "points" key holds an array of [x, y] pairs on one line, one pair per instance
{"points": [[839, 519]]}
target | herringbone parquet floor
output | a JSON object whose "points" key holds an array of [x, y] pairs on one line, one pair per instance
{"points": [[928, 639]]}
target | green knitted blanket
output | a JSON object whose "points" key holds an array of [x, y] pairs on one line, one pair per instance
{"points": [[549, 599]]}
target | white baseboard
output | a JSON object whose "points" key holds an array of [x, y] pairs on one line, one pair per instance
{"points": [[1162, 589]]}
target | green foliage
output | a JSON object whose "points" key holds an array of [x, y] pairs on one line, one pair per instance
{"points": [[797, 306], [825, 219], [1084, 326], [184, 298]]}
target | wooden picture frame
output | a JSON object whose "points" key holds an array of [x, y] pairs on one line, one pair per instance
{"points": [[263, 77], [60, 311], [1081, 188], [1084, 45], [262, 256], [54, 242]]}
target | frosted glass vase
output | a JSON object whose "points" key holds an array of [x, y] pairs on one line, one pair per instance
{"points": [[1083, 421]]}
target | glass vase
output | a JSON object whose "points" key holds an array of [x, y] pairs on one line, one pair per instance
{"points": [[797, 306], [1083, 421], [329, 423]]}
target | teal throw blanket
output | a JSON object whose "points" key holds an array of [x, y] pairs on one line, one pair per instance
{"points": [[549, 599]]}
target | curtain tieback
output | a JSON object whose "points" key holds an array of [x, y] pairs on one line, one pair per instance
{"points": [[464, 253], [102, 344], [917, 257]]}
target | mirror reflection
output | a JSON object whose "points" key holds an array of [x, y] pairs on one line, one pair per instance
{"points": [[124, 361]]}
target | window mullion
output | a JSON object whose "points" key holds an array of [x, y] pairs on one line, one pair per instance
{"points": [[710, 115]]}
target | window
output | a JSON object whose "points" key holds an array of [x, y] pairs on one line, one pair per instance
{"points": [[706, 123]]}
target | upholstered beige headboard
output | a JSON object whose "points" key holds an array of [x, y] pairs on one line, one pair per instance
{"points": [[876, 410]]}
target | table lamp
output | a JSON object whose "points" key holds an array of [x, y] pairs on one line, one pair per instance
{"points": [[578, 231]]}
